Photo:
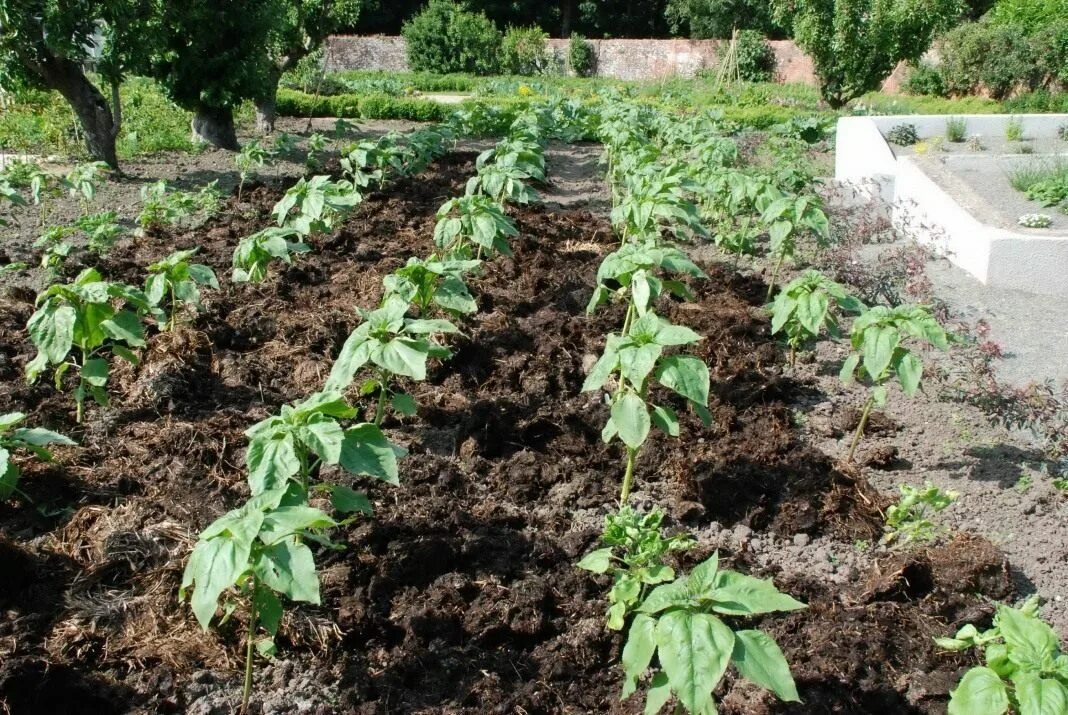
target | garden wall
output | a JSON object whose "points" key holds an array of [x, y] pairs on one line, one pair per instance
{"points": [[618, 59]]}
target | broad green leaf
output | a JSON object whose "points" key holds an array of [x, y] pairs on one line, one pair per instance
{"points": [[125, 326], [667, 596], [323, 437], [686, 375], [52, 330], [1040, 696], [694, 651], [849, 368], [758, 658], [348, 501], [9, 474], [630, 415], [404, 404], [637, 652], [40, 437], [879, 346], [402, 356], [602, 369], [268, 609], [1030, 640], [286, 521], [597, 561], [288, 567], [910, 372], [214, 566], [666, 420], [702, 580], [637, 362], [737, 594], [365, 450], [980, 692], [95, 372], [271, 461], [658, 695]]}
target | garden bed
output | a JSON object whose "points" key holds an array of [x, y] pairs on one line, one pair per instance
{"points": [[461, 593]]}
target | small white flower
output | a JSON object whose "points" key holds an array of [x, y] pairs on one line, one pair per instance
{"points": [[1035, 221]]}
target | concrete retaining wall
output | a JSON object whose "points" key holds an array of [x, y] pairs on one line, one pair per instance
{"points": [[616, 59]]}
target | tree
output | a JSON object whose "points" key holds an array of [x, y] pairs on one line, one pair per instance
{"points": [[717, 19], [448, 37], [209, 55], [855, 44], [46, 44], [300, 30]]}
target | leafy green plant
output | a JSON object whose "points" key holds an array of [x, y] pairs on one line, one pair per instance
{"points": [[315, 205], [396, 346], [288, 449], [78, 326], [786, 216], [252, 157], [157, 211], [56, 248], [1025, 670], [580, 57], [632, 358], [679, 623], [434, 282], [908, 522], [316, 146], [177, 281], [258, 551], [903, 134], [254, 253], [30, 439], [446, 36], [1014, 129], [502, 183], [634, 268], [102, 230], [633, 554], [880, 353], [802, 310], [82, 181], [525, 51], [956, 129], [473, 226]]}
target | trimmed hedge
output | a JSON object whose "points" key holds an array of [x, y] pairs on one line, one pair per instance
{"points": [[294, 103]]}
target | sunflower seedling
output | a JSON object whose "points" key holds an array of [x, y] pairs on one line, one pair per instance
{"points": [[633, 554], [880, 354], [82, 182], [786, 217], [908, 522], [396, 346], [78, 325], [473, 226], [254, 253], [102, 230], [29, 439], [177, 281], [680, 624], [315, 205], [1025, 671], [434, 282], [802, 310], [252, 157]]}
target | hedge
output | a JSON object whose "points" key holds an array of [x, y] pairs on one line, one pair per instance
{"points": [[294, 103]]}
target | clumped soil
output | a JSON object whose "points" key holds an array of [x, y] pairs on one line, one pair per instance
{"points": [[460, 595]]}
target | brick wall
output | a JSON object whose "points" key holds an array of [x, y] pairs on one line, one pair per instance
{"points": [[618, 59]]}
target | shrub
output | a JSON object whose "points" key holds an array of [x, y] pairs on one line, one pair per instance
{"points": [[903, 135], [1051, 53], [447, 37], [756, 59], [525, 51], [580, 56], [294, 103], [980, 56], [1031, 15], [1038, 102], [925, 80], [956, 129]]}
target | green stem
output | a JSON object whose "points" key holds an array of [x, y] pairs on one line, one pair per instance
{"points": [[628, 476], [250, 646], [380, 408], [774, 276], [860, 427], [174, 309], [629, 319]]}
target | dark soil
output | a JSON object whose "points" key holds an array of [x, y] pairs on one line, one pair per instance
{"points": [[460, 595]]}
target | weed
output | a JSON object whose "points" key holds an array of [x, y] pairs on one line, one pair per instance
{"points": [[903, 135], [956, 130], [908, 522], [1014, 129]]}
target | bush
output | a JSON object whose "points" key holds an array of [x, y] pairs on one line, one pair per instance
{"points": [[580, 56], [447, 37], [1031, 15], [756, 59], [294, 103], [525, 51], [902, 135], [1038, 102], [924, 80], [1051, 50], [980, 56]]}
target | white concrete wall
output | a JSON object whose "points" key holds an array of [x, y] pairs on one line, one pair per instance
{"points": [[1033, 261]]}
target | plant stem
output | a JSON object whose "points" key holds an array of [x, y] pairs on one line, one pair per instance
{"points": [[628, 476], [629, 319], [174, 308], [380, 408], [774, 276], [860, 427], [249, 648]]}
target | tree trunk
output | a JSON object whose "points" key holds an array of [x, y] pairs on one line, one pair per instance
{"points": [[215, 125], [267, 105], [568, 14], [100, 125]]}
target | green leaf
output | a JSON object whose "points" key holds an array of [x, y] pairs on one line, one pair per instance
{"points": [[659, 694], [849, 368], [980, 692], [879, 346], [271, 460], [9, 474], [365, 450], [286, 521], [631, 418], [404, 404], [402, 356], [1030, 641], [348, 501], [740, 595], [637, 652], [268, 609], [323, 437], [686, 375], [667, 596], [666, 420], [702, 580], [52, 330], [694, 651], [602, 369], [758, 658], [125, 326], [598, 561], [288, 567], [910, 372], [39, 437], [95, 372], [1040, 696]]}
